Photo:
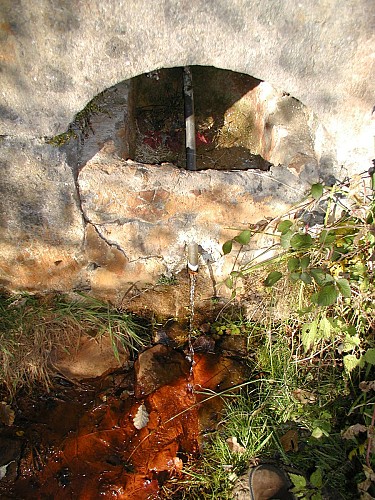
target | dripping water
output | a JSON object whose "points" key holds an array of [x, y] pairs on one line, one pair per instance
{"points": [[190, 355]]}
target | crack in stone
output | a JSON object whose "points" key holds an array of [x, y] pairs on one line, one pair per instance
{"points": [[87, 220], [147, 257], [108, 242]]}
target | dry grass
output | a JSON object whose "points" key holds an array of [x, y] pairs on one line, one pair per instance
{"points": [[31, 326]]}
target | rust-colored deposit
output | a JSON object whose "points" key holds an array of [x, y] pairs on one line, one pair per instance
{"points": [[83, 443]]}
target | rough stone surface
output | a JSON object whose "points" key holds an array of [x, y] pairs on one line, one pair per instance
{"points": [[321, 53], [120, 222], [157, 367], [81, 217], [93, 357], [148, 214], [40, 220]]}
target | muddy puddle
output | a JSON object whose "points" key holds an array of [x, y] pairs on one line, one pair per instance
{"points": [[119, 436]]}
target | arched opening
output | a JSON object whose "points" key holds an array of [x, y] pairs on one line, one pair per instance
{"points": [[225, 121], [241, 123]]}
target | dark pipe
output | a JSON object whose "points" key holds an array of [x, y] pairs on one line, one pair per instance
{"points": [[189, 120]]}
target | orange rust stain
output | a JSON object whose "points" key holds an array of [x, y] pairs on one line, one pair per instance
{"points": [[98, 452]]}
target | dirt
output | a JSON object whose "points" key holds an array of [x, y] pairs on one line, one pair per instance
{"points": [[81, 440]]}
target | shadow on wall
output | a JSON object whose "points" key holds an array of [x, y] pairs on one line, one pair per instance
{"points": [[223, 127], [54, 198], [241, 123], [143, 119]]}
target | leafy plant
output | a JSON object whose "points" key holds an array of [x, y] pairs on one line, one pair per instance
{"points": [[167, 280], [309, 360], [332, 266]]}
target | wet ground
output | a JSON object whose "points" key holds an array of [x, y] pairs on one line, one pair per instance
{"points": [[119, 436]]}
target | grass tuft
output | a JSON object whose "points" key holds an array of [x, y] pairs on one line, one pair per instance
{"points": [[32, 326]]}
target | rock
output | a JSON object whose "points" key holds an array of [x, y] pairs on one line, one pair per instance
{"points": [[149, 213], [157, 367], [204, 343], [10, 452], [234, 345], [216, 373], [92, 358]]}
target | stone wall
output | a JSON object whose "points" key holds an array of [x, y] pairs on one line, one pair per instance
{"points": [[81, 217], [57, 55]]}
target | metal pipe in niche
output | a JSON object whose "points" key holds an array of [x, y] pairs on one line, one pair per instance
{"points": [[189, 120]]}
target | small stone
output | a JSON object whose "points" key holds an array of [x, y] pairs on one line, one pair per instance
{"points": [[158, 366]]}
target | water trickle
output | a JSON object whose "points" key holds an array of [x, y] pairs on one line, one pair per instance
{"points": [[193, 280], [190, 355]]}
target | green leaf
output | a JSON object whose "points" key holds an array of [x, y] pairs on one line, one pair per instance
{"points": [[350, 342], [326, 238], [369, 356], [327, 295], [317, 496], [317, 191], [229, 282], [306, 278], [344, 287], [299, 482], [351, 361], [318, 275], [284, 226], [324, 328], [305, 261], [272, 278], [317, 433], [316, 478], [352, 330], [293, 264], [244, 237], [285, 239], [336, 254], [227, 247], [308, 336], [299, 240], [295, 276], [321, 428]]}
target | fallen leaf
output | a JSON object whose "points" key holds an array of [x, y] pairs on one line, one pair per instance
{"points": [[234, 445], [353, 431], [369, 473], [142, 417], [232, 477], [6, 414], [289, 441], [367, 386], [364, 485], [365, 495], [227, 467], [3, 469], [304, 396]]}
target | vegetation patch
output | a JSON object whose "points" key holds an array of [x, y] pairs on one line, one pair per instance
{"points": [[309, 405], [31, 326], [81, 125]]}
